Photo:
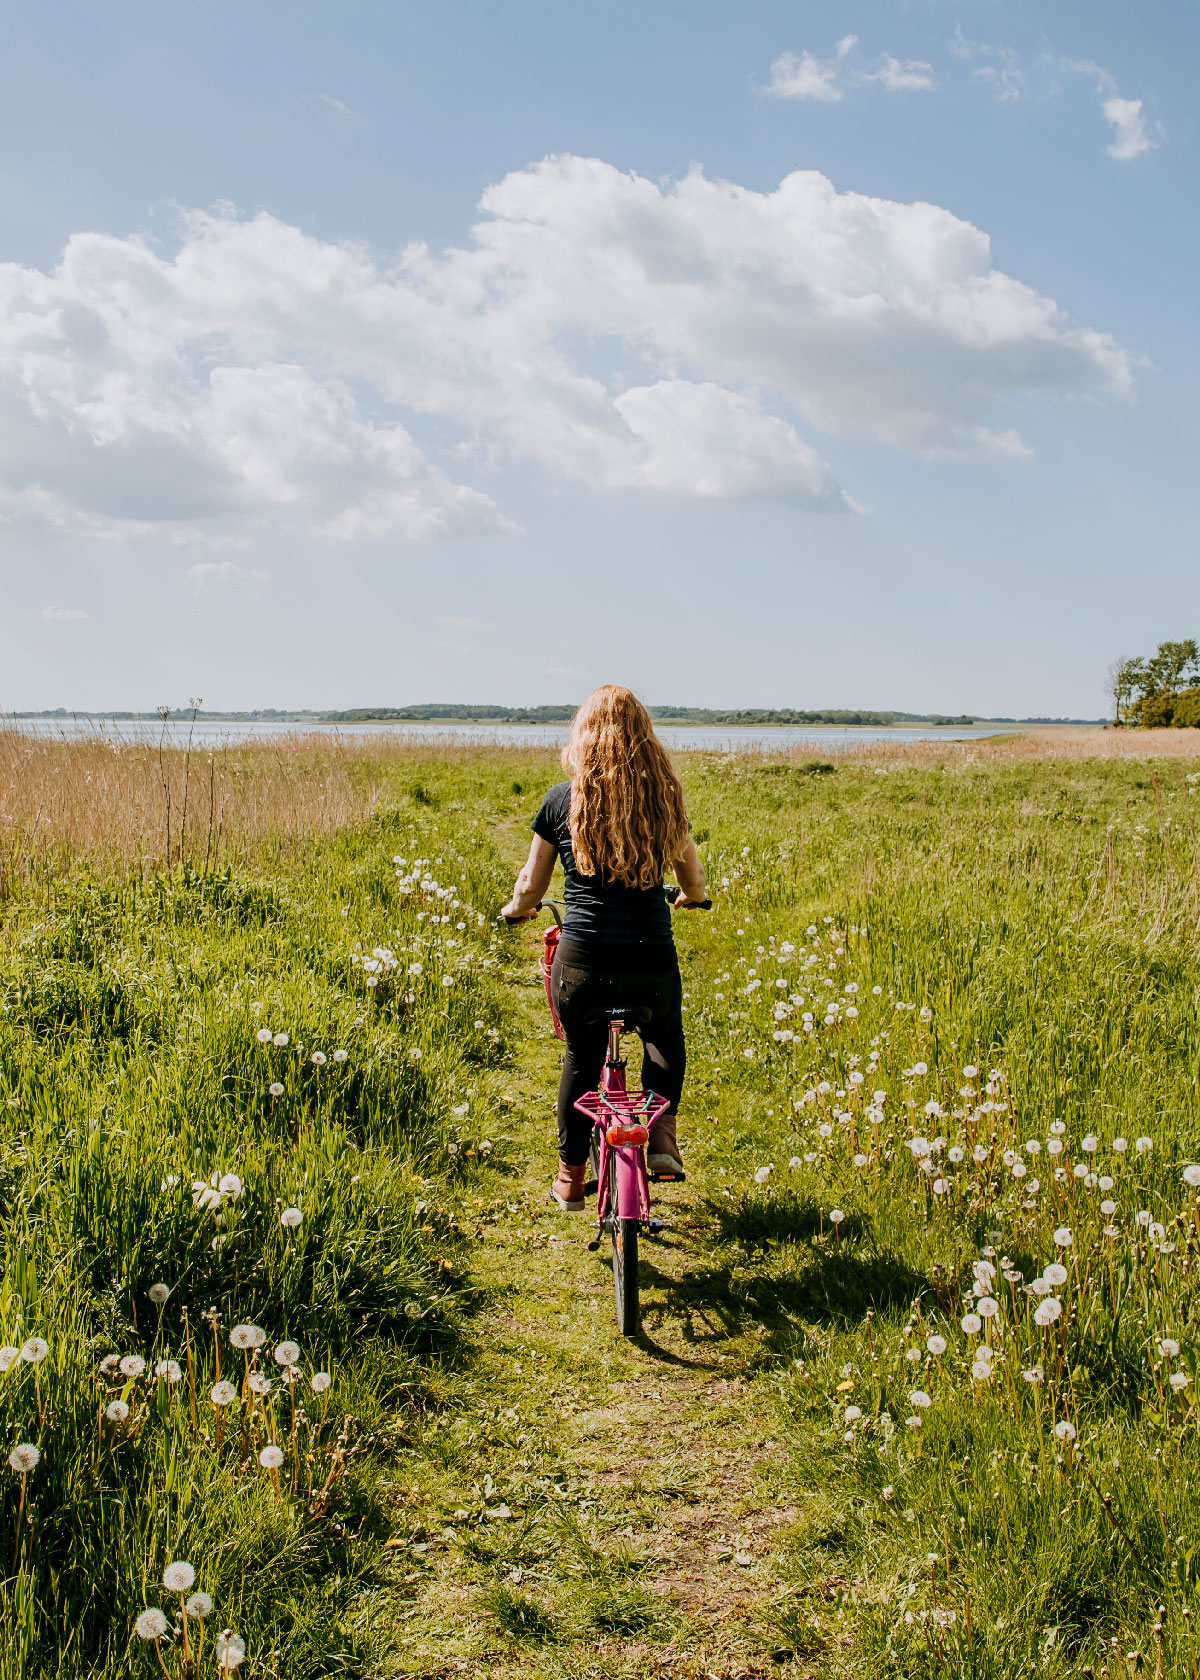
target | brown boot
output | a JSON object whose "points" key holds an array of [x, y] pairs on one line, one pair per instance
{"points": [[567, 1189], [664, 1156]]}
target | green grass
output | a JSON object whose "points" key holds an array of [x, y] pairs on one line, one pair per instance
{"points": [[1041, 918]]}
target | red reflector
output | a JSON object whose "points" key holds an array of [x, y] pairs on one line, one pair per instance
{"points": [[635, 1135]]}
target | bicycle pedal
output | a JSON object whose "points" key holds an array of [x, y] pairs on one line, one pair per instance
{"points": [[594, 1245], [667, 1178], [657, 1225]]}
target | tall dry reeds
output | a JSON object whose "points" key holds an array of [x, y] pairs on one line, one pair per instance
{"points": [[1056, 741]]}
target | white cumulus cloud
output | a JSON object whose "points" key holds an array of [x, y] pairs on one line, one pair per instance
{"points": [[1130, 138], [255, 376], [61, 614]]}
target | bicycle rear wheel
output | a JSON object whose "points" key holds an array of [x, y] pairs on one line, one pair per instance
{"points": [[624, 1261]]}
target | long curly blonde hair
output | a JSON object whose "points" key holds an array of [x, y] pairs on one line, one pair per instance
{"points": [[627, 819]]}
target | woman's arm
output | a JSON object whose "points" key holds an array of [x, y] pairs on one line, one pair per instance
{"points": [[532, 881], [689, 872]]}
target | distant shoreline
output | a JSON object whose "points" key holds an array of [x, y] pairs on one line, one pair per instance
{"points": [[677, 718]]}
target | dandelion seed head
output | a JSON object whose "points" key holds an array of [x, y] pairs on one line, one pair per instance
{"points": [[24, 1458], [290, 1218], [1120, 1145], [981, 1369], [1168, 1346], [151, 1624], [1179, 1381], [264, 1035], [223, 1393], [280, 1040], [762, 1174], [913, 1355], [34, 1350], [1055, 1275], [116, 1411], [179, 1577], [1144, 1145], [8, 1354], [199, 1605], [1063, 1237], [246, 1336], [230, 1649], [987, 1306], [919, 1400], [836, 1216], [271, 1457], [1048, 1311], [1191, 1175], [169, 1369], [319, 1058], [853, 1413], [972, 1324], [287, 1353], [158, 1293], [258, 1384], [276, 1089], [1034, 1374], [936, 1345], [320, 1381], [1064, 1430]]}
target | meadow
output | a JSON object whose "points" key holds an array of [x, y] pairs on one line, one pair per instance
{"points": [[278, 1270]]}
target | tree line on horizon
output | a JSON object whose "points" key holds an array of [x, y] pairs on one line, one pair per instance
{"points": [[1158, 692]]}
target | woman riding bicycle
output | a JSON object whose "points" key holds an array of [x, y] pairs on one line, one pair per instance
{"points": [[616, 825]]}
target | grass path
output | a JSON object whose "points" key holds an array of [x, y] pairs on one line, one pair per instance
{"points": [[581, 1505]]}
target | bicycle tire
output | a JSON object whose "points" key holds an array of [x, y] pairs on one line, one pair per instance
{"points": [[624, 1261]]}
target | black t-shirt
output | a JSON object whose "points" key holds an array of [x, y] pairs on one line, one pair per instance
{"points": [[599, 912]]}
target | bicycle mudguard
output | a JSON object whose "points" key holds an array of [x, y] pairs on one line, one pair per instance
{"points": [[550, 941]]}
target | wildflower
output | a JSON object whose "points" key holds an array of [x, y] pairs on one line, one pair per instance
{"points": [[318, 1058], [230, 1649], [280, 1041], [836, 1216], [1144, 1145], [919, 1400], [1055, 1275], [276, 1089], [1054, 1146], [972, 1324], [245, 1336], [979, 1154], [913, 1422], [1089, 1144], [1156, 1232], [794, 1162], [761, 1175], [415, 968], [170, 1369], [913, 1354], [258, 1384], [34, 1350], [287, 1353], [1179, 1381], [116, 1411], [1108, 1208], [1035, 1374], [158, 1293], [320, 1381], [271, 1457], [1169, 1347], [107, 1365], [223, 1393], [1057, 1128], [936, 1345], [860, 1160], [24, 1458], [230, 1186], [151, 1624], [954, 1154], [853, 1413], [1143, 1217], [340, 1055], [987, 1306], [1105, 1182], [179, 1577], [199, 1605], [1047, 1311], [264, 1035], [290, 1218], [1191, 1175], [133, 1365], [981, 1370], [970, 1071], [1064, 1430], [1063, 1237]]}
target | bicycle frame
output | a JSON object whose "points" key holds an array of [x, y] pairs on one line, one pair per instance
{"points": [[612, 1109]]}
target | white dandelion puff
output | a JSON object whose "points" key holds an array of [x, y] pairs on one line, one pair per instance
{"points": [[290, 1218], [271, 1457], [158, 1293], [919, 1400], [223, 1393], [35, 1350], [1048, 1311], [24, 1458], [1064, 1430], [179, 1577], [319, 1058], [1063, 1237], [170, 1369], [280, 1040], [245, 1336], [936, 1345], [1179, 1381], [320, 1381], [199, 1605], [287, 1353], [972, 1324], [264, 1035], [116, 1411], [133, 1365], [230, 1649], [276, 1089], [151, 1624]]}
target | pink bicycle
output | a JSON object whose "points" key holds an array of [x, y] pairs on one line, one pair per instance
{"points": [[622, 1121]]}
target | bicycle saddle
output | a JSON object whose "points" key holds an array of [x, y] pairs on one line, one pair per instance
{"points": [[635, 1012]]}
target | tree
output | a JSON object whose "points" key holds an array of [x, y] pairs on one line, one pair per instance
{"points": [[1172, 666], [1124, 676]]}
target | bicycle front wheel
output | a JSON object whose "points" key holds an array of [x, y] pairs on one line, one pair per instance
{"points": [[624, 1261]]}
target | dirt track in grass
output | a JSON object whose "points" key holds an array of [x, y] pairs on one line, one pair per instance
{"points": [[581, 1504]]}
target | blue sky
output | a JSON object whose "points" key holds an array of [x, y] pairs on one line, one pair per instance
{"points": [[841, 355]]}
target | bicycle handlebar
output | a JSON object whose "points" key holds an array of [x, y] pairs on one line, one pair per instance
{"points": [[673, 894]]}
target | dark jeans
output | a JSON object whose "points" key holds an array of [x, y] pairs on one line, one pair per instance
{"points": [[582, 984]]}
